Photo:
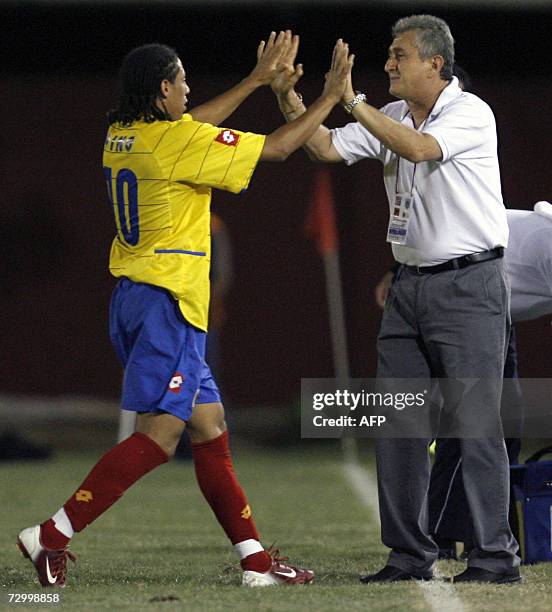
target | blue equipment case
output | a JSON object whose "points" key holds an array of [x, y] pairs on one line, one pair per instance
{"points": [[531, 507]]}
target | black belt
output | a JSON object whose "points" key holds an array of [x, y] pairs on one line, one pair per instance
{"points": [[459, 262]]}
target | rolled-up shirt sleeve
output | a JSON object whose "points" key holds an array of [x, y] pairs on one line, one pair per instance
{"points": [[354, 142], [464, 128]]}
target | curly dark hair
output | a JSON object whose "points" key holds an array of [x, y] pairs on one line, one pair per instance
{"points": [[140, 77]]}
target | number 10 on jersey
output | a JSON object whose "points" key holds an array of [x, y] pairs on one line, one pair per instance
{"points": [[124, 199]]}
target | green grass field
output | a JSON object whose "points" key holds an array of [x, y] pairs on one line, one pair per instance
{"points": [[160, 548]]}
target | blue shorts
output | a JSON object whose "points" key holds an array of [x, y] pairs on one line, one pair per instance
{"points": [[163, 355]]}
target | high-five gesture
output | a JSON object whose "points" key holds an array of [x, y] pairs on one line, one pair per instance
{"points": [[269, 61], [339, 74], [304, 124], [270, 56], [288, 74]]}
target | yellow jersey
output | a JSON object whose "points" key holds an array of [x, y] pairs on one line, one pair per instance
{"points": [[159, 177]]}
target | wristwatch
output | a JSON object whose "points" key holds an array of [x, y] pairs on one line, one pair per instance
{"points": [[360, 97]]}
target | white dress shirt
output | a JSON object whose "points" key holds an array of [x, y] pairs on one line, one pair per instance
{"points": [[458, 206]]}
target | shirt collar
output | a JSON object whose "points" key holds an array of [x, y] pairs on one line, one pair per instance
{"points": [[451, 91]]}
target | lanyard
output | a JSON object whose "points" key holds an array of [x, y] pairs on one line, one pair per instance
{"points": [[415, 165], [397, 179]]}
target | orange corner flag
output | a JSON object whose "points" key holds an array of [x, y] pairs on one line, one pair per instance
{"points": [[320, 223]]}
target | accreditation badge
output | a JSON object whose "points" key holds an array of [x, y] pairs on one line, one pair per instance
{"points": [[397, 231]]}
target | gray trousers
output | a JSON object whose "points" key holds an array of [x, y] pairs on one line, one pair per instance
{"points": [[450, 325]]}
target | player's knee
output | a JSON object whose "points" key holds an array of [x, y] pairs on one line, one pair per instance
{"points": [[165, 430], [207, 422], [167, 442]]}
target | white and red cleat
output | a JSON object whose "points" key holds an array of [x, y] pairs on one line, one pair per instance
{"points": [[50, 565], [279, 573]]}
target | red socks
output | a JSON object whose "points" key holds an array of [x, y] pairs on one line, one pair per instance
{"points": [[114, 473], [218, 483], [258, 562], [127, 462]]}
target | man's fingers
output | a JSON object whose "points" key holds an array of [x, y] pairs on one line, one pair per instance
{"points": [[296, 75], [291, 50], [336, 47], [294, 48], [285, 44], [260, 49], [271, 39], [280, 39], [341, 59]]}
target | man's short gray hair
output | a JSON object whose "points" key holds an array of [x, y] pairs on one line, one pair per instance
{"points": [[433, 37]]}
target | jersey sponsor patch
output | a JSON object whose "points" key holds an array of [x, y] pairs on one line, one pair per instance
{"points": [[176, 383], [228, 137]]}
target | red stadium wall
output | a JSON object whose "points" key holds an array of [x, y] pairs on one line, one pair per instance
{"points": [[56, 228]]}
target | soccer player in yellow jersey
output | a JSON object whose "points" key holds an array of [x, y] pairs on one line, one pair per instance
{"points": [[160, 164]]}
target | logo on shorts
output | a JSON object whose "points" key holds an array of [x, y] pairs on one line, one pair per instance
{"points": [[228, 137], [82, 495], [176, 382]]}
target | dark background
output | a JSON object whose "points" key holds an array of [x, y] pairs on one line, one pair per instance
{"points": [[58, 78]]}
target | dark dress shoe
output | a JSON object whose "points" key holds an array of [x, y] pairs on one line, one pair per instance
{"points": [[393, 574], [477, 574]]}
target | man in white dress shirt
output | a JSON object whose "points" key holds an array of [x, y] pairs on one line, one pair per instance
{"points": [[447, 314]]}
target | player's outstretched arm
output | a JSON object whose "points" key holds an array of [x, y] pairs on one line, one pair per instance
{"points": [[305, 124], [319, 147], [268, 59]]}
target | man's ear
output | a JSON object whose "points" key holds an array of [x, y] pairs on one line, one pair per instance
{"points": [[437, 62]]}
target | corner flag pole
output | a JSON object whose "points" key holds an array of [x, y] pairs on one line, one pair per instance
{"points": [[321, 226]]}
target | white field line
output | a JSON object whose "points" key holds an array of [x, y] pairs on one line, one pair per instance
{"points": [[440, 596]]}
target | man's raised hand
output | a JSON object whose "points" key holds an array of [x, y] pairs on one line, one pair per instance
{"points": [[339, 75]]}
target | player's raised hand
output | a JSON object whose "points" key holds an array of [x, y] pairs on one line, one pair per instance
{"points": [[269, 56], [288, 74], [339, 74]]}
